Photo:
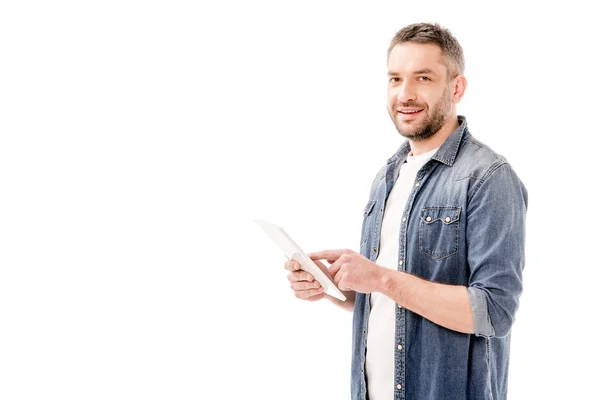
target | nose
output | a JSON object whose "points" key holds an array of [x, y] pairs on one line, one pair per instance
{"points": [[406, 92]]}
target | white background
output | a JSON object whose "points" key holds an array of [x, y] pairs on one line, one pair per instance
{"points": [[140, 140]]}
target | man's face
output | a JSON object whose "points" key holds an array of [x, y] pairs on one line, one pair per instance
{"points": [[419, 94]]}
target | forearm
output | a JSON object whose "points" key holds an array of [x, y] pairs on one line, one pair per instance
{"points": [[347, 305], [445, 305]]}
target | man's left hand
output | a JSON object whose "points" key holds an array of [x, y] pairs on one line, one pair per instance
{"points": [[351, 271]]}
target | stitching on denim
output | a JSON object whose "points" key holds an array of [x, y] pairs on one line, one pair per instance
{"points": [[489, 365], [467, 177], [493, 168]]}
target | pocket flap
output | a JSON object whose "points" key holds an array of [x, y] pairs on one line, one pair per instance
{"points": [[369, 207], [447, 215]]}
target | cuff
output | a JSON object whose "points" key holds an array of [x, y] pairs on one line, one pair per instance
{"points": [[481, 319]]}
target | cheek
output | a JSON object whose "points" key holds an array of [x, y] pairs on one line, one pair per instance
{"points": [[428, 101], [391, 98], [434, 97]]}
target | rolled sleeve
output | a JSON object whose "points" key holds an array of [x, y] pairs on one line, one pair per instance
{"points": [[481, 319], [496, 250]]}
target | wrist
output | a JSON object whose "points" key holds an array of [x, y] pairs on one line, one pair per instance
{"points": [[348, 304], [384, 281], [390, 284]]}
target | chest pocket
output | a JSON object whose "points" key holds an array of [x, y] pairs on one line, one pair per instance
{"points": [[369, 208], [439, 230]]}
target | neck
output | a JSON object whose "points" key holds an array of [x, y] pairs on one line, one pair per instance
{"points": [[423, 146]]}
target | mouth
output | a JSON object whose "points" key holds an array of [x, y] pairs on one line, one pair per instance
{"points": [[409, 113]]}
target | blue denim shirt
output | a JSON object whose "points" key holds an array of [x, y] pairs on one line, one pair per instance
{"points": [[465, 225]]}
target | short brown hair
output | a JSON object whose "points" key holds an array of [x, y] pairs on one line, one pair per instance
{"points": [[435, 34]]}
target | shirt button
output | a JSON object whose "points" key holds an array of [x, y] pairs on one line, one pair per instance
{"points": [[399, 306], [399, 347], [428, 219], [374, 250], [399, 387], [401, 262], [404, 219], [447, 219], [417, 184]]}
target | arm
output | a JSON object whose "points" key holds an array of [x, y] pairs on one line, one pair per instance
{"points": [[445, 305], [496, 250], [450, 306]]}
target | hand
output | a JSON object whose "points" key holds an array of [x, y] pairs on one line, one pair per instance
{"points": [[351, 271], [303, 283]]}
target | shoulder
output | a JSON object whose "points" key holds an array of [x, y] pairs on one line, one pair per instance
{"points": [[487, 169], [476, 160]]}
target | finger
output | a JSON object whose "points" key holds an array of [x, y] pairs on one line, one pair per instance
{"points": [[292, 265], [342, 285], [303, 285], [338, 274], [329, 255], [338, 279], [300, 276], [335, 268], [307, 294]]}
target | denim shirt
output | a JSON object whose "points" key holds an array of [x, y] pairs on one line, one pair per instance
{"points": [[463, 224]]}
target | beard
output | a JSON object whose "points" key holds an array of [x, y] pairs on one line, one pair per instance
{"points": [[434, 121]]}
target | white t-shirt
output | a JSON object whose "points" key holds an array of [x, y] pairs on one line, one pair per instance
{"points": [[381, 329]]}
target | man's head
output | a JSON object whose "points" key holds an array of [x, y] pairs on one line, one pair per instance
{"points": [[425, 79]]}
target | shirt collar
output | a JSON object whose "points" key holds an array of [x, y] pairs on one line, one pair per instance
{"points": [[448, 150]]}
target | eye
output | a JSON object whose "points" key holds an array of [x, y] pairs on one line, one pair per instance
{"points": [[394, 79], [423, 78]]}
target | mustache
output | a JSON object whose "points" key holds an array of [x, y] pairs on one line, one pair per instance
{"points": [[410, 105]]}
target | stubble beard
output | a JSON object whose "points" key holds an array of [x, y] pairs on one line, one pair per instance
{"points": [[432, 124]]}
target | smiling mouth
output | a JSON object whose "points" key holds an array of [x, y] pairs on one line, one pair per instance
{"points": [[408, 115]]}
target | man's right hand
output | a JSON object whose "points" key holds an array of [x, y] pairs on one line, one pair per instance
{"points": [[306, 287], [303, 283]]}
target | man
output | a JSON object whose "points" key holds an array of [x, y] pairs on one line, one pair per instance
{"points": [[436, 285]]}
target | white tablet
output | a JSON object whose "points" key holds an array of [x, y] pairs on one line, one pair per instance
{"points": [[293, 252]]}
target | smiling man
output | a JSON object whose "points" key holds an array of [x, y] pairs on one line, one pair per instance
{"points": [[436, 286]]}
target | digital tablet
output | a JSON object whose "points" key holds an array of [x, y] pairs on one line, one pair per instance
{"points": [[293, 252]]}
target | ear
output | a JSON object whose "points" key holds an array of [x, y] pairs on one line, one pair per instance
{"points": [[459, 86]]}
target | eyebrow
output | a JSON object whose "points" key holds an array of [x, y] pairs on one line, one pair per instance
{"points": [[418, 72]]}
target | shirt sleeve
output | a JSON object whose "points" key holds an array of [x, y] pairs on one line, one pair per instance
{"points": [[481, 318], [496, 250]]}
